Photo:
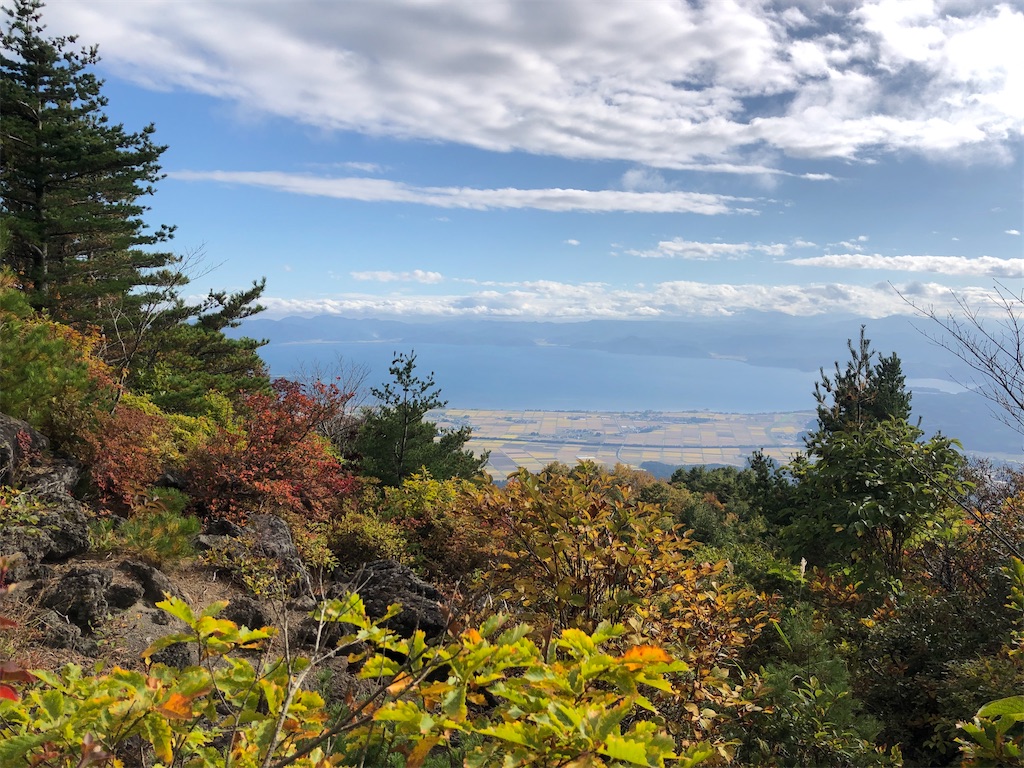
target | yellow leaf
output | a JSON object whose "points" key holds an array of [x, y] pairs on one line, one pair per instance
{"points": [[420, 751]]}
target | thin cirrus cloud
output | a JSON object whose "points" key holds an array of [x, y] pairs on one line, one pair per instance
{"points": [[665, 300], [671, 85], [679, 248], [981, 266], [384, 276], [563, 200]]}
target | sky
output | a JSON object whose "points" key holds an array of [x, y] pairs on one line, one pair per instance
{"points": [[578, 159]]}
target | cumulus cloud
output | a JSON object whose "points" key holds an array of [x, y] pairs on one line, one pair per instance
{"points": [[663, 84], [698, 251], [383, 276], [982, 266], [572, 241], [1012, 232], [673, 299], [382, 190]]}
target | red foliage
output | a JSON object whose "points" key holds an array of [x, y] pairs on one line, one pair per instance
{"points": [[124, 457], [277, 461]]}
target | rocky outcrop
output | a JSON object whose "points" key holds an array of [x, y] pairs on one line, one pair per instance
{"points": [[80, 596], [384, 582], [269, 536], [52, 530], [154, 582], [19, 443]]}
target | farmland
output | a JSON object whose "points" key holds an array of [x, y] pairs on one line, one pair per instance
{"points": [[532, 439]]}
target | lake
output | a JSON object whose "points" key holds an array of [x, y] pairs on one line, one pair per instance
{"points": [[559, 378]]}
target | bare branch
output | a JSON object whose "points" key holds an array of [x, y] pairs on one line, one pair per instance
{"points": [[989, 339]]}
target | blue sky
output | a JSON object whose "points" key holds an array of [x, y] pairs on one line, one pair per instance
{"points": [[573, 159]]}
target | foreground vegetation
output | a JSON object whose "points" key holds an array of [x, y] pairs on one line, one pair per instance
{"points": [[862, 604]]}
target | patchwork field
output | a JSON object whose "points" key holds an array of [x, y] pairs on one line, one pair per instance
{"points": [[532, 439]]}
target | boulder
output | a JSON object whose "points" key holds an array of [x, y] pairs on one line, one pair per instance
{"points": [[58, 632], [60, 530], [269, 536], [57, 477], [15, 451], [123, 596], [80, 595], [384, 582], [153, 581], [246, 612]]}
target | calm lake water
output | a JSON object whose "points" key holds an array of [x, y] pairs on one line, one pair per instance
{"points": [[558, 378]]}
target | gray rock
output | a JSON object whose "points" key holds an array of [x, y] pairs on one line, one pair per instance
{"points": [[60, 531], [80, 595], [123, 596], [154, 582], [179, 655], [58, 632], [246, 612], [59, 478], [270, 537], [384, 582], [11, 448]]}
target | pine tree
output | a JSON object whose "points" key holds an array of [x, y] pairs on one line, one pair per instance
{"points": [[71, 192], [396, 440], [865, 393], [72, 183]]}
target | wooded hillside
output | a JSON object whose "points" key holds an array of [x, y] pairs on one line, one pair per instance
{"points": [[384, 601]]}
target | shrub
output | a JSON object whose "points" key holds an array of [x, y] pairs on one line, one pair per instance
{"points": [[163, 535], [362, 537], [59, 385], [573, 551], [446, 539], [125, 456], [274, 460], [230, 711]]}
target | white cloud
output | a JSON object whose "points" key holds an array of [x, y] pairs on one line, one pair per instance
{"points": [[554, 300], [644, 180], [689, 249], [416, 276], [801, 243], [572, 241], [382, 190], [1012, 231], [663, 84], [982, 266], [364, 167]]}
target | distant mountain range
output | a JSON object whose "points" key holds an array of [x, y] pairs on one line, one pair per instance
{"points": [[753, 362]]}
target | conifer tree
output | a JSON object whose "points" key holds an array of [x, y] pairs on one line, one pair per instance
{"points": [[396, 440], [72, 183], [72, 187]]}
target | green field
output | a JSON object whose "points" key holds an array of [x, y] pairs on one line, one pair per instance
{"points": [[532, 439]]}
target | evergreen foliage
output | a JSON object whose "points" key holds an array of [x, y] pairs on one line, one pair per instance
{"points": [[396, 440], [72, 182]]}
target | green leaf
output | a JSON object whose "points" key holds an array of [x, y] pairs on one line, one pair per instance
{"points": [[1012, 705], [179, 609], [14, 748], [628, 750]]}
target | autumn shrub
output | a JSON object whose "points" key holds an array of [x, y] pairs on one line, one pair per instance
{"points": [[358, 537], [573, 551], [447, 541], [59, 385], [274, 459], [125, 455], [573, 702]]}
